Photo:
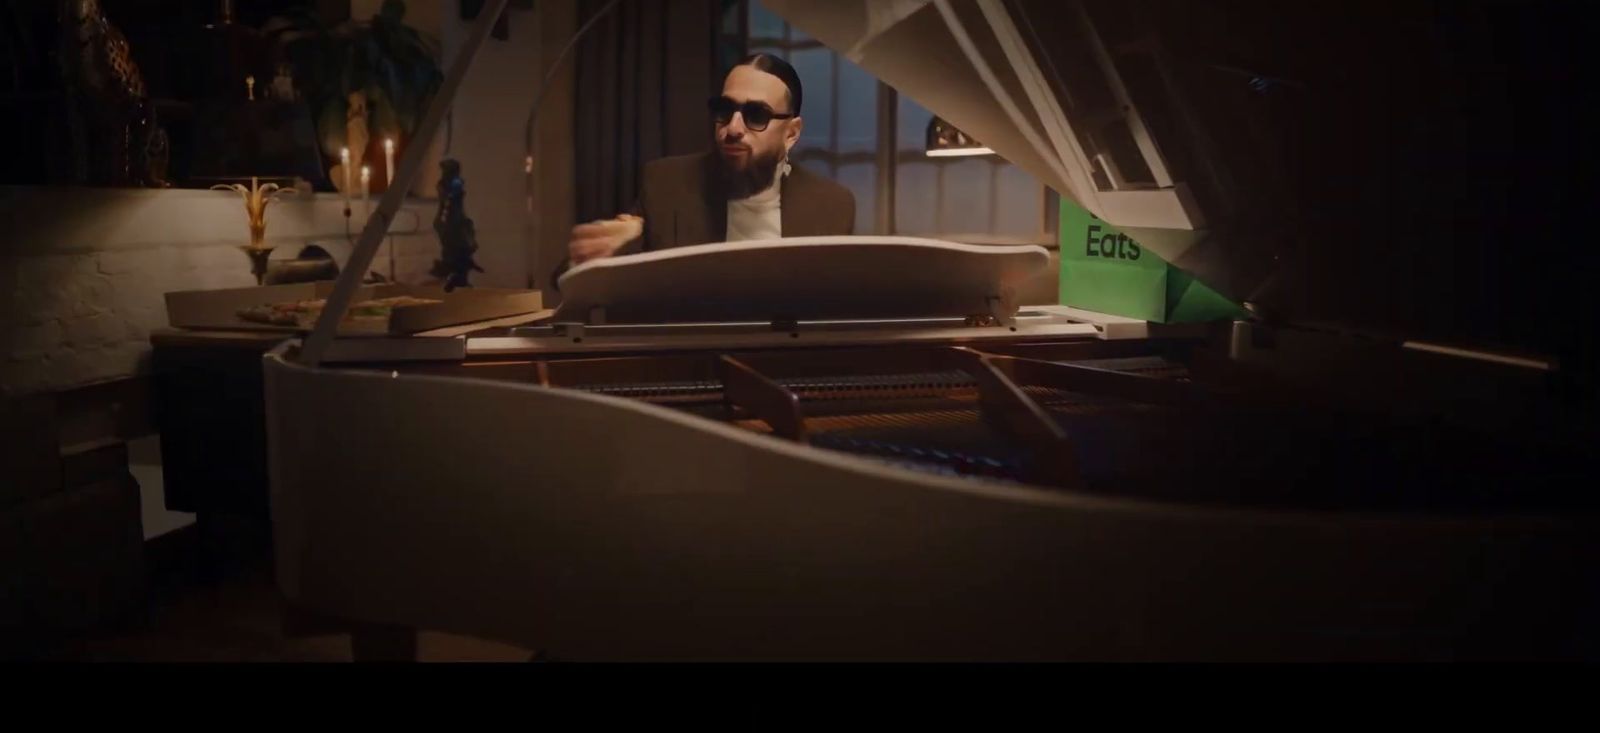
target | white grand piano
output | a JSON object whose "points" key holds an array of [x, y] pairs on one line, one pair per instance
{"points": [[903, 462]]}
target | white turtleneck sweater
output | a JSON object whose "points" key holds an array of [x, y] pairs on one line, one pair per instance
{"points": [[760, 215]]}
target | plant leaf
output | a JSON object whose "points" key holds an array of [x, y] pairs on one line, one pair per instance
{"points": [[393, 65], [394, 10]]}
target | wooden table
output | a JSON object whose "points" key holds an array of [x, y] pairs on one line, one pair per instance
{"points": [[212, 418]]}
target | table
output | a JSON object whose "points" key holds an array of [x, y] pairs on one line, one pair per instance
{"points": [[212, 417]]}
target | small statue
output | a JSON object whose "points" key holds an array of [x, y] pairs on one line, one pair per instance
{"points": [[458, 239]]}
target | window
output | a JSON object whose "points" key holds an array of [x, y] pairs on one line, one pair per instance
{"points": [[899, 189]]}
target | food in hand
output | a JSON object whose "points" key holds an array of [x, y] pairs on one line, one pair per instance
{"points": [[626, 226], [598, 239]]}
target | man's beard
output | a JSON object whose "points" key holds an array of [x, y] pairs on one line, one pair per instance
{"points": [[744, 182]]}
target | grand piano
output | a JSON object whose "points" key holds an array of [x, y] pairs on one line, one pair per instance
{"points": [[903, 461]]}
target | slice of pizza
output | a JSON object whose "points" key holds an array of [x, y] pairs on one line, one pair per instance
{"points": [[281, 314], [304, 313], [383, 307]]}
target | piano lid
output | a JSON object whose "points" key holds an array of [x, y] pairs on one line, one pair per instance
{"points": [[1364, 165], [1037, 82], [801, 279]]}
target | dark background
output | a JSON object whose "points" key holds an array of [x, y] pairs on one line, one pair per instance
{"points": [[1417, 168], [184, 62]]}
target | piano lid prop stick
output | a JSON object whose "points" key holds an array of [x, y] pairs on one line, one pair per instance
{"points": [[344, 290]]}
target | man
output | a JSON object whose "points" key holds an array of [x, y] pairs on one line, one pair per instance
{"points": [[744, 190]]}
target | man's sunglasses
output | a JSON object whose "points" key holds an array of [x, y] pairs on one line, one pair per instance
{"points": [[756, 114]]}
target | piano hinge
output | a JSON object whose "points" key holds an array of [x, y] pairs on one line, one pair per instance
{"points": [[996, 315], [573, 331]]}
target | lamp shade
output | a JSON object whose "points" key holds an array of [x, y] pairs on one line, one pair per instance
{"points": [[944, 140]]}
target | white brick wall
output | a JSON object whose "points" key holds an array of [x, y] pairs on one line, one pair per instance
{"points": [[83, 272]]}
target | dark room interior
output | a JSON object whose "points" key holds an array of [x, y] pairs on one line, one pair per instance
{"points": [[797, 330]]}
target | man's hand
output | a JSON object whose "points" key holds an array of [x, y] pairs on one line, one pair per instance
{"points": [[599, 239]]}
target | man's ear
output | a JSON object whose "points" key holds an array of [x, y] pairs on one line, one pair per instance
{"points": [[791, 134]]}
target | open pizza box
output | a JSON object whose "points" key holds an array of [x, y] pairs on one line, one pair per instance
{"points": [[377, 310]]}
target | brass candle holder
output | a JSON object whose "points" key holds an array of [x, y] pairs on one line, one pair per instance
{"points": [[256, 198]]}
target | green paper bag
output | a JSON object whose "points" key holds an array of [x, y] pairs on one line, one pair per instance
{"points": [[1106, 271]]}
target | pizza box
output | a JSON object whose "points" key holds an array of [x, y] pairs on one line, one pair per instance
{"points": [[220, 309]]}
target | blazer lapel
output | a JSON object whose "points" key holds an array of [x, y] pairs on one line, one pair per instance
{"points": [[716, 219], [797, 217], [704, 220]]}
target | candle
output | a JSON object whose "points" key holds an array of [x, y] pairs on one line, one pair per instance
{"points": [[344, 162], [366, 203], [388, 162], [388, 172]]}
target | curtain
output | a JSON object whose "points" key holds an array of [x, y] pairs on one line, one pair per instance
{"points": [[643, 74]]}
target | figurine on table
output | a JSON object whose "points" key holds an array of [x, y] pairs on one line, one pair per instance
{"points": [[458, 240]]}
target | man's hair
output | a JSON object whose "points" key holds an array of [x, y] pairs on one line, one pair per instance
{"points": [[781, 69]]}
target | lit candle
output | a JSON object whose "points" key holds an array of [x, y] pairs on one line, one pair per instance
{"points": [[388, 162], [344, 162], [366, 203]]}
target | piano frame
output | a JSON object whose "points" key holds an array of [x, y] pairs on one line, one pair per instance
{"points": [[602, 527], [497, 485]]}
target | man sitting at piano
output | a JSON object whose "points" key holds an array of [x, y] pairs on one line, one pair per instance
{"points": [[744, 190]]}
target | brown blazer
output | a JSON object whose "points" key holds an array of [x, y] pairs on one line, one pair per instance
{"points": [[682, 203]]}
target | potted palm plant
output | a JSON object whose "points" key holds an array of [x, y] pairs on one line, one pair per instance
{"points": [[365, 81]]}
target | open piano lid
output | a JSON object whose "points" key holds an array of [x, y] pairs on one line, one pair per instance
{"points": [[1037, 83], [1363, 166]]}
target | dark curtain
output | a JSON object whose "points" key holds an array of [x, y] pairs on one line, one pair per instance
{"points": [[643, 74]]}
